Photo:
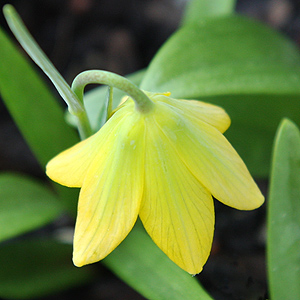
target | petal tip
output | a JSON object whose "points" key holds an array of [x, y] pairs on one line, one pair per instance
{"points": [[260, 201], [194, 271], [80, 260], [252, 203]]}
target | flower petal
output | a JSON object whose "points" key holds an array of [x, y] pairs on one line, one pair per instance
{"points": [[177, 211], [199, 111], [212, 159], [111, 194], [70, 166]]}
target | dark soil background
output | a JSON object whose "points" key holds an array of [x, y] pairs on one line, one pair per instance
{"points": [[122, 36]]}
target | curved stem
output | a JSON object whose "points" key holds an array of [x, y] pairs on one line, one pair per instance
{"points": [[75, 106], [142, 101]]}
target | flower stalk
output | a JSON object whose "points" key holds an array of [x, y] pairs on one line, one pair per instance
{"points": [[75, 106], [142, 102]]}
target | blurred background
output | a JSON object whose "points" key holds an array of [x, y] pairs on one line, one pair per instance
{"points": [[122, 36]]}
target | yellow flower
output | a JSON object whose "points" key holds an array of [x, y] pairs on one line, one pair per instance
{"points": [[163, 165]]}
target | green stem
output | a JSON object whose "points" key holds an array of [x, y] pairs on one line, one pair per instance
{"points": [[109, 108], [75, 106], [142, 101]]}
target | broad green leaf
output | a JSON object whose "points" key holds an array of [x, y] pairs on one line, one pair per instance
{"points": [[25, 204], [197, 10], [141, 264], [34, 109], [241, 65], [225, 56], [283, 215], [37, 268]]}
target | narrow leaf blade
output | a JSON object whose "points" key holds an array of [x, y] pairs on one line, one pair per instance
{"points": [[25, 204], [283, 215], [141, 264], [36, 112], [35, 52], [37, 268]]}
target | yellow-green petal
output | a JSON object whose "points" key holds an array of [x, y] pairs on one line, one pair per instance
{"points": [[69, 168], [177, 211], [111, 193], [211, 158], [199, 111]]}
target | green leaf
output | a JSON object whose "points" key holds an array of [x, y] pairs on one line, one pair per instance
{"points": [[197, 10], [39, 57], [35, 52], [36, 268], [283, 215], [141, 264], [36, 112], [34, 109], [25, 204], [225, 56], [241, 65]]}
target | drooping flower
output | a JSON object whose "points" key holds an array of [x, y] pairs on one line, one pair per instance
{"points": [[163, 165]]}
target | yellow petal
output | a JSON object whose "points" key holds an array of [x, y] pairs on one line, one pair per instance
{"points": [[212, 159], [177, 211], [199, 111], [111, 193], [70, 166]]}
